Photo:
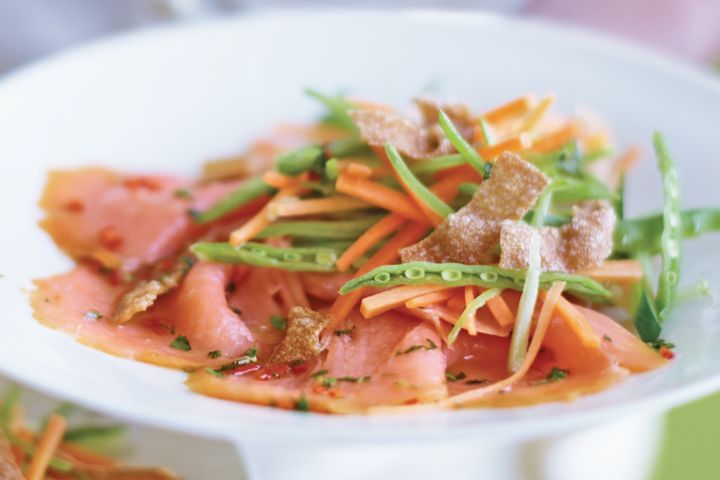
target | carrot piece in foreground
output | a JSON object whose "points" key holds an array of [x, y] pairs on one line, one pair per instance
{"points": [[555, 140], [550, 303], [356, 169], [388, 254], [369, 239], [512, 144], [537, 113], [314, 206], [431, 298], [277, 180], [500, 310], [389, 299], [259, 221], [380, 196], [469, 297], [577, 322], [620, 271], [48, 443], [513, 109]]}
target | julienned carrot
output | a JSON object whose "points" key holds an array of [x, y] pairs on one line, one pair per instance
{"points": [[512, 144], [625, 162], [555, 140], [447, 188], [549, 306], [277, 180], [290, 288], [620, 271], [48, 443], [314, 206], [389, 299], [356, 169], [386, 255], [260, 221], [369, 239], [511, 110], [380, 196], [500, 310], [537, 113], [577, 322], [85, 457], [431, 298], [469, 293]]}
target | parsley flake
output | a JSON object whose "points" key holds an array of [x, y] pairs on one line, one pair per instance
{"points": [[302, 405], [214, 354], [319, 373], [93, 315], [348, 331], [250, 356], [554, 375], [454, 377], [476, 381], [230, 287], [278, 322], [607, 338], [660, 343], [236, 310], [216, 373], [414, 348], [183, 193], [181, 343]]}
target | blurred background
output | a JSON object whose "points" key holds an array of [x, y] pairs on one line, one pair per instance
{"points": [[686, 29]]}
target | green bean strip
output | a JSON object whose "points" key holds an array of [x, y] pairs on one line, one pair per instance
{"points": [[467, 151], [589, 188], [436, 164], [91, 434], [295, 259], [309, 157], [347, 147], [469, 313], [337, 111], [468, 188], [526, 307], [671, 237], [542, 207], [486, 132], [643, 234], [246, 193], [343, 229], [458, 274], [420, 191]]}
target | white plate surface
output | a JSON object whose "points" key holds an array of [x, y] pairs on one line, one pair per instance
{"points": [[165, 99]]}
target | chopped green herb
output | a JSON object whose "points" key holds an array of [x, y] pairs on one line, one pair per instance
{"points": [[607, 338], [236, 310], [214, 372], [181, 343], [354, 379], [93, 315], [214, 354], [476, 381], [302, 405], [278, 322], [319, 373], [454, 377], [347, 331], [414, 348], [554, 375], [250, 356], [196, 215], [660, 343], [183, 193], [231, 287]]}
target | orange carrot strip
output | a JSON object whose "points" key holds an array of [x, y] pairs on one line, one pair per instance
{"points": [[500, 310], [515, 108], [356, 169], [389, 299], [388, 254], [620, 271], [84, 456], [447, 188], [537, 113], [577, 322], [430, 298], [48, 443], [259, 221], [626, 161], [549, 305], [369, 239], [313, 206], [380, 196], [290, 289], [512, 144], [555, 140], [277, 180], [469, 297]]}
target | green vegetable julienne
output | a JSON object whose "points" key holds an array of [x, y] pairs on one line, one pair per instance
{"points": [[421, 191], [458, 274], [301, 259], [671, 236], [526, 307], [644, 234], [646, 319], [305, 158], [246, 193], [469, 312], [341, 230], [467, 151], [337, 111]]}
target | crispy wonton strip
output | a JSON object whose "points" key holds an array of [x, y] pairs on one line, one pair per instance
{"points": [[302, 338], [470, 235]]}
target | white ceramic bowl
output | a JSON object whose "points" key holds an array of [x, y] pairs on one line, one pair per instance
{"points": [[166, 99]]}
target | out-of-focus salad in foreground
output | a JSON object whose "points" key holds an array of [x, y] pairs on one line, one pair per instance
{"points": [[379, 262], [55, 450]]}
